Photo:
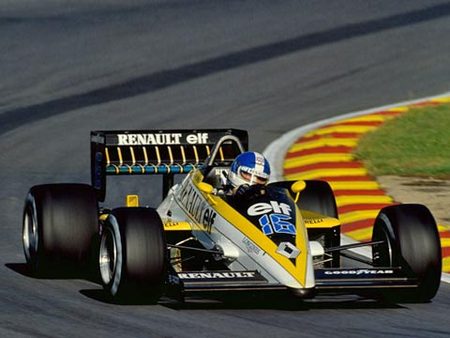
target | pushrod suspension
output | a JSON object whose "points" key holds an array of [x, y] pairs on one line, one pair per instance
{"points": [[352, 246]]}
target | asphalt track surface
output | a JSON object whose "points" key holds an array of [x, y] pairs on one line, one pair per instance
{"points": [[68, 67]]}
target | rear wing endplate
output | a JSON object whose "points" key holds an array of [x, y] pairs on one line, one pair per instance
{"points": [[166, 152]]}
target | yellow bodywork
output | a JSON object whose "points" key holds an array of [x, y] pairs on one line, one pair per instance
{"points": [[132, 201], [316, 221], [296, 269], [174, 225]]}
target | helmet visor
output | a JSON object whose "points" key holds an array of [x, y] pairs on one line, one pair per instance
{"points": [[253, 178]]}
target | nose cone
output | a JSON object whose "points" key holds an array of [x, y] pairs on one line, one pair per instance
{"points": [[303, 293]]}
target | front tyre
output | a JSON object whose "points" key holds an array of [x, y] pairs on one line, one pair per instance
{"points": [[133, 255], [410, 241]]}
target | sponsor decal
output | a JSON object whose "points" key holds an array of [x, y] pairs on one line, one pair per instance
{"points": [[98, 171], [250, 246], [275, 217], [173, 280], [359, 272], [161, 139], [276, 223], [254, 171], [313, 220], [218, 275], [288, 250], [265, 208], [197, 207], [171, 223]]}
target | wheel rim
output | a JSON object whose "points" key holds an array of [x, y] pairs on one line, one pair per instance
{"points": [[108, 256], [382, 252], [30, 236]]}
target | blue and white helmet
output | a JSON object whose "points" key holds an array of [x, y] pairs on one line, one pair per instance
{"points": [[249, 168]]}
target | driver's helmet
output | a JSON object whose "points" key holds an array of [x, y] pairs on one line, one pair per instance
{"points": [[249, 168]]}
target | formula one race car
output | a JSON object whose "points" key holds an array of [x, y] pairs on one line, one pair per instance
{"points": [[282, 237]]}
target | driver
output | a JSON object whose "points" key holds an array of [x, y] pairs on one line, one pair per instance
{"points": [[249, 168]]}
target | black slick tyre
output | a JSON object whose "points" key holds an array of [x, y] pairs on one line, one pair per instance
{"points": [[410, 241], [60, 224], [133, 255]]}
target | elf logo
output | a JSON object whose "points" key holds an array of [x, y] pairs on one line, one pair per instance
{"points": [[265, 208]]}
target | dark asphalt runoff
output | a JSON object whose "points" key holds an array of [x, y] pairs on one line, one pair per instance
{"points": [[68, 67]]}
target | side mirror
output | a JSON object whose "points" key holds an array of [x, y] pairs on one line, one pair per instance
{"points": [[298, 187], [205, 188]]}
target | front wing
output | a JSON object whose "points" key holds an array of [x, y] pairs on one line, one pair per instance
{"points": [[335, 280]]}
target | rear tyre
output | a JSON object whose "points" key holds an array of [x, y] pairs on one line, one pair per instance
{"points": [[411, 241], [133, 255], [319, 197], [59, 228]]}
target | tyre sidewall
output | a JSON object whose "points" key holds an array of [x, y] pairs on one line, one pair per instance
{"points": [[113, 285], [31, 242]]}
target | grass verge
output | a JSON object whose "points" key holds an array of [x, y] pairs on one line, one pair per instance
{"points": [[414, 144]]}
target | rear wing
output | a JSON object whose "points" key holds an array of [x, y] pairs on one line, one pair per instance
{"points": [[164, 152]]}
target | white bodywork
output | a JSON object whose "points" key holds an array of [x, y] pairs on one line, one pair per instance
{"points": [[185, 202]]}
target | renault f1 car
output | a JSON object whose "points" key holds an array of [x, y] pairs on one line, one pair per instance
{"points": [[282, 237]]}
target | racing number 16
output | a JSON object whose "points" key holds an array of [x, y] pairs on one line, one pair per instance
{"points": [[276, 223]]}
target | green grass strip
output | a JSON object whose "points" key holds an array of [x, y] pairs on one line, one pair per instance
{"points": [[415, 144]]}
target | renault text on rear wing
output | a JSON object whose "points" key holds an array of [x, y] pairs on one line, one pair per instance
{"points": [[167, 152]]}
